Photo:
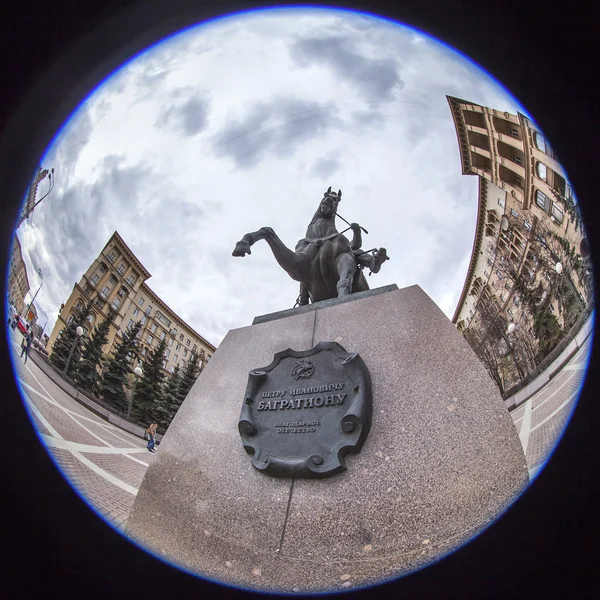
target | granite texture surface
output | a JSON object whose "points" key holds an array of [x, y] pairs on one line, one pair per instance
{"points": [[441, 461]]}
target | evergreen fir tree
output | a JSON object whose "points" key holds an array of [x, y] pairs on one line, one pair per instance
{"points": [[119, 365], [189, 375], [86, 373], [64, 343], [149, 390], [171, 400]]}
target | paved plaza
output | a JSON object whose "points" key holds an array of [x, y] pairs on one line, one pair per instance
{"points": [[106, 465], [541, 420]]}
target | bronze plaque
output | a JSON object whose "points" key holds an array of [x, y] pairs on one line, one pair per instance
{"points": [[305, 411]]}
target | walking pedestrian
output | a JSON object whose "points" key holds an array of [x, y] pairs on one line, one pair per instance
{"points": [[26, 344], [151, 431]]}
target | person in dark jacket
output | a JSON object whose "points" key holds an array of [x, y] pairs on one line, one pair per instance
{"points": [[26, 345]]}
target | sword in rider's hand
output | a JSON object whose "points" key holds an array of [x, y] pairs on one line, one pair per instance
{"points": [[342, 218]]}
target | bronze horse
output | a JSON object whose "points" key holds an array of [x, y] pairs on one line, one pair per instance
{"points": [[324, 262]]}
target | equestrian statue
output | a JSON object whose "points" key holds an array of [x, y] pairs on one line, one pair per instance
{"points": [[325, 262]]}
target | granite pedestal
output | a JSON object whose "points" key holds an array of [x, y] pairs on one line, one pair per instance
{"points": [[442, 459]]}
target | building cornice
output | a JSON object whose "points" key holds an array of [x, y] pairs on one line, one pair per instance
{"points": [[461, 133], [477, 242], [145, 274], [171, 313]]}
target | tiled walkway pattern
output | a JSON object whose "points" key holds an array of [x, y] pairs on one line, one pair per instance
{"points": [[104, 464], [540, 421]]}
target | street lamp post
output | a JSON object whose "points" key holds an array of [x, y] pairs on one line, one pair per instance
{"points": [[34, 296], [79, 332], [138, 373]]}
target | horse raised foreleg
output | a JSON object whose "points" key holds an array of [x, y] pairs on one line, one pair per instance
{"points": [[289, 260], [346, 267]]}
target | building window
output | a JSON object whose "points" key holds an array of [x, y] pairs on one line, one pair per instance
{"points": [[141, 302], [122, 292], [105, 291], [131, 279], [501, 202], [194, 348], [187, 343], [121, 269], [500, 276], [149, 339], [541, 170], [185, 351], [163, 319], [149, 310], [514, 213], [514, 132], [112, 279], [178, 347], [70, 319], [542, 200], [171, 342], [136, 311], [517, 179], [172, 369], [144, 351], [116, 303], [111, 256], [95, 279], [181, 337], [167, 352], [98, 302], [557, 213], [103, 268], [176, 358], [539, 141], [517, 159], [144, 319], [131, 323], [153, 328], [162, 335], [527, 225]]}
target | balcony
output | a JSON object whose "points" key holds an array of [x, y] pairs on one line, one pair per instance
{"points": [[509, 140]]}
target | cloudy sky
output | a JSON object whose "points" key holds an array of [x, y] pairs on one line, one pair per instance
{"points": [[245, 122]]}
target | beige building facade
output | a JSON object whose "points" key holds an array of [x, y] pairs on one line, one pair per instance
{"points": [[523, 190], [117, 279], [18, 282]]}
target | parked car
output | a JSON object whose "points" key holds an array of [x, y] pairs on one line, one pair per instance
{"points": [[22, 325]]}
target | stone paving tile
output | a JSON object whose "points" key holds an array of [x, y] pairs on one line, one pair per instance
{"points": [[63, 424], [543, 439], [118, 437], [104, 496], [554, 385], [105, 433], [120, 466], [542, 411], [38, 424]]}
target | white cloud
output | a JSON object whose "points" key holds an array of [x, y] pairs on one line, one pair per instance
{"points": [[244, 123]]}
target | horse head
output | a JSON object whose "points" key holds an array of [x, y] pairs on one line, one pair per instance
{"points": [[328, 205]]}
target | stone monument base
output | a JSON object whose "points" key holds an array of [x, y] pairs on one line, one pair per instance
{"points": [[442, 459]]}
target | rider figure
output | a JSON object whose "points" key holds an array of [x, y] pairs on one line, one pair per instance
{"points": [[366, 259], [373, 259]]}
